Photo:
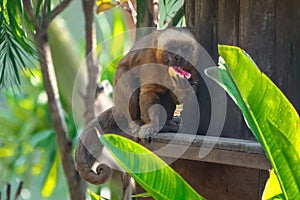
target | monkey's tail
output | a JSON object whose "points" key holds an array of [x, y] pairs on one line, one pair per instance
{"points": [[89, 148], [84, 161]]}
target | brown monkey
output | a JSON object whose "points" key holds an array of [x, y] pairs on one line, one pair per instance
{"points": [[149, 62], [158, 70]]}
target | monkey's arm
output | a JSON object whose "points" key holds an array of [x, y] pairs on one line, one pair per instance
{"points": [[181, 86]]}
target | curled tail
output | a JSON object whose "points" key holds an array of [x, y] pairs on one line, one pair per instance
{"points": [[89, 148]]}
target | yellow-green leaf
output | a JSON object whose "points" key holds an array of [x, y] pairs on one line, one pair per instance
{"points": [[267, 112], [273, 190], [103, 5], [6, 152], [152, 173], [51, 179]]}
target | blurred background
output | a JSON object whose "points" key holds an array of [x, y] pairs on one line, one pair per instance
{"points": [[28, 146]]}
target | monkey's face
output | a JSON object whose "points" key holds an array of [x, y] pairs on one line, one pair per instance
{"points": [[177, 53]]}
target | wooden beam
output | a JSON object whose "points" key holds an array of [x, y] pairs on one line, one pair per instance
{"points": [[235, 152]]}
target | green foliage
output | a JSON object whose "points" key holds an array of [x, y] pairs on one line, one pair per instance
{"points": [[272, 189], [95, 196], [153, 174], [171, 13], [15, 46], [268, 113], [28, 148], [66, 60], [114, 42]]}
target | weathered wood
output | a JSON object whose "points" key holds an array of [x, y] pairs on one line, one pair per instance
{"points": [[228, 22], [267, 29], [234, 169], [286, 69], [256, 36], [228, 33], [256, 31], [200, 16], [215, 181], [235, 152]]}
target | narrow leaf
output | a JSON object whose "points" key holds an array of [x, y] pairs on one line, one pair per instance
{"points": [[51, 180]]}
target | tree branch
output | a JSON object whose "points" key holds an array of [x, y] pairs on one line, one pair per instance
{"points": [[93, 70], [75, 183], [92, 67], [59, 8], [29, 10]]}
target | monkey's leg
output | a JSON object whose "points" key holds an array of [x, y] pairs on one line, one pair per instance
{"points": [[150, 113], [157, 111]]}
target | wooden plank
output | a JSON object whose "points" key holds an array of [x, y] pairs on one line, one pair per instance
{"points": [[227, 151], [257, 31], [215, 181], [287, 54], [228, 22], [257, 37], [201, 20], [263, 177], [228, 33], [230, 144]]}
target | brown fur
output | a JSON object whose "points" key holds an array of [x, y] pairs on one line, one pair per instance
{"points": [[136, 115]]}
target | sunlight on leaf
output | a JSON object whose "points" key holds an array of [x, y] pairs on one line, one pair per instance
{"points": [[152, 173], [16, 49], [38, 167], [6, 152], [95, 196], [117, 41], [145, 194], [273, 190], [51, 180], [267, 112], [103, 5]]}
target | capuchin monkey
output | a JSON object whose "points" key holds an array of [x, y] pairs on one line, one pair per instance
{"points": [[157, 72]]}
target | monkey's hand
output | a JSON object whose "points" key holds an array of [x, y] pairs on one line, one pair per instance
{"points": [[180, 83]]}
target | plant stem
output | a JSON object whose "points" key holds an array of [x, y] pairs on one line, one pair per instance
{"points": [[92, 67], [75, 184]]}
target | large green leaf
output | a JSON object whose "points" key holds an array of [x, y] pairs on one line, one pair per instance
{"points": [[267, 112], [153, 174], [273, 190]]}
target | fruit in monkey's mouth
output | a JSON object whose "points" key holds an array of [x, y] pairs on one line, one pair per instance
{"points": [[178, 70]]}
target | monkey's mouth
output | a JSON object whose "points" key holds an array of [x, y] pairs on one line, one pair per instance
{"points": [[181, 72]]}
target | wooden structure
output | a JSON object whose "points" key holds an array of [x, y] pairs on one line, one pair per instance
{"points": [[269, 31], [233, 169]]}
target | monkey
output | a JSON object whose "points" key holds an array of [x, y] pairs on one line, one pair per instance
{"points": [[159, 71], [165, 49]]}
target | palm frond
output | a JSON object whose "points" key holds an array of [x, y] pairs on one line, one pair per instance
{"points": [[16, 48]]}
